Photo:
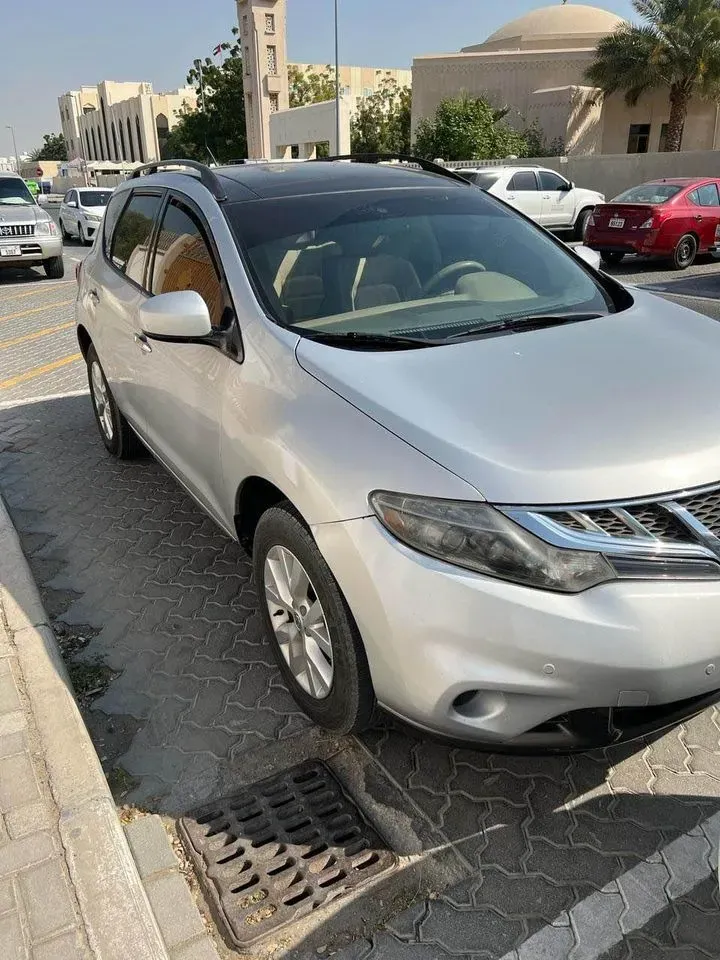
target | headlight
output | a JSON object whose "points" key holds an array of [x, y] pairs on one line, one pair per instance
{"points": [[45, 228], [480, 538], [93, 217]]}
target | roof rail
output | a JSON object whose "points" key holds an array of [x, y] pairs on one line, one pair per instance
{"points": [[208, 178], [426, 165]]}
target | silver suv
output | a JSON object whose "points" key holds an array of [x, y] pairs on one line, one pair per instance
{"points": [[480, 481], [28, 234]]}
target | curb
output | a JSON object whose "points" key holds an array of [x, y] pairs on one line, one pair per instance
{"points": [[114, 904]]}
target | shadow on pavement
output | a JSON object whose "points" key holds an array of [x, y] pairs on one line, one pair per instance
{"points": [[610, 854]]}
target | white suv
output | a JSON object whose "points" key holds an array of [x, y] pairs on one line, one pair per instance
{"points": [[543, 195]]}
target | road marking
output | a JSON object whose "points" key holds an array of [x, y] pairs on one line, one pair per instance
{"points": [[682, 296], [599, 922], [36, 335], [45, 398], [34, 293], [27, 313], [38, 371]]}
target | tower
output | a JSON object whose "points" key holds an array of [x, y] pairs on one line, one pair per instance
{"points": [[263, 42]]}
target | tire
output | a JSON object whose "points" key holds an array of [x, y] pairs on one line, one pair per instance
{"points": [[84, 242], [581, 223], [118, 436], [339, 696], [611, 257], [54, 268], [63, 232], [683, 256]]}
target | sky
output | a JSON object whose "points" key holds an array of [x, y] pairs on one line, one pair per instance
{"points": [[46, 53]]}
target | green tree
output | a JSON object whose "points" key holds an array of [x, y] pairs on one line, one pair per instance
{"points": [[309, 86], [53, 148], [468, 128], [382, 121], [219, 130], [676, 47]]}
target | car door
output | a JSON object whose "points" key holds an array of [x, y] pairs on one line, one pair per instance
{"points": [[705, 203], [558, 200], [523, 193], [181, 383], [70, 218], [116, 291]]}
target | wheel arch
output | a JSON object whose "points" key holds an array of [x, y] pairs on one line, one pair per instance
{"points": [[254, 496], [84, 340]]}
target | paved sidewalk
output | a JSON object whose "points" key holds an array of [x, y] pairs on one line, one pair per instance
{"points": [[69, 886]]}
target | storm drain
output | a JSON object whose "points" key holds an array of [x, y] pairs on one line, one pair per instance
{"points": [[281, 849]]}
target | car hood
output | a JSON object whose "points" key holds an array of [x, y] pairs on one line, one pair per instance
{"points": [[615, 408], [98, 211], [20, 213]]}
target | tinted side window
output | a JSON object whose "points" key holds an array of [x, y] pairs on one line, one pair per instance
{"points": [[111, 216], [130, 240], [68, 197], [693, 197], [523, 181], [551, 181], [184, 261], [708, 195]]}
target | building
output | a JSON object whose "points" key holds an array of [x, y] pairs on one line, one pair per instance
{"points": [[536, 66], [357, 83], [263, 41], [121, 122]]}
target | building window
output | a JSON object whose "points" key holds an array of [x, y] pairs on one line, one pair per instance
{"points": [[638, 138], [274, 102], [269, 23], [368, 92], [247, 61], [272, 61], [295, 151], [663, 138], [245, 25]]}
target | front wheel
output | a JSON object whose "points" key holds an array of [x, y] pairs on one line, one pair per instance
{"points": [[683, 256], [54, 268], [65, 235], [581, 223], [117, 434], [308, 622], [611, 257]]}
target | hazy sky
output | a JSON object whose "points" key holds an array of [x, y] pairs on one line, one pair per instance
{"points": [[45, 52]]}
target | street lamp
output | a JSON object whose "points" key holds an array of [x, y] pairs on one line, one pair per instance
{"points": [[337, 83], [17, 158]]}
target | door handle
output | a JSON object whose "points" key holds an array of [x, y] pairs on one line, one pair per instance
{"points": [[94, 296], [546, 196], [698, 216], [142, 341]]}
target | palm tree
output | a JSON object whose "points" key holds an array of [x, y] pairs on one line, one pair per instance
{"points": [[677, 46]]}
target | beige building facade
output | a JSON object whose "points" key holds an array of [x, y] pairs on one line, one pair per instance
{"points": [[536, 64], [121, 122], [357, 83]]}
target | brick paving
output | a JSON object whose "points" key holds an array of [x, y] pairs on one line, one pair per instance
{"points": [[611, 855], [39, 915]]}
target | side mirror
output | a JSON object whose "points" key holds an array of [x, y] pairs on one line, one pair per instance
{"points": [[591, 257], [569, 185], [178, 316], [72, 203]]}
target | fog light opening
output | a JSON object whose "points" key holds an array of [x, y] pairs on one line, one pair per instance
{"points": [[479, 704]]}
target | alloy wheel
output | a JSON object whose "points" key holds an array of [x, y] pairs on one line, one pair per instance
{"points": [[101, 399], [299, 622]]}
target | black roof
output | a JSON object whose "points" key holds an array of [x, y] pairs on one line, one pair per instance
{"points": [[250, 181]]}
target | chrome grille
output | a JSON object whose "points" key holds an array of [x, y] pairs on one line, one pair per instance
{"points": [[16, 230]]}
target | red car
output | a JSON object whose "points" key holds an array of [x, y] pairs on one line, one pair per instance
{"points": [[674, 218]]}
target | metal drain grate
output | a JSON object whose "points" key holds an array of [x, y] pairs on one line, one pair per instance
{"points": [[281, 849]]}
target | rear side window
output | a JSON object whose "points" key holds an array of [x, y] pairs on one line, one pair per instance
{"points": [[705, 196], [480, 179], [523, 181], [131, 237], [184, 261]]}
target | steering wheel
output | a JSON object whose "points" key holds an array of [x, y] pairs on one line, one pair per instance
{"points": [[453, 271]]}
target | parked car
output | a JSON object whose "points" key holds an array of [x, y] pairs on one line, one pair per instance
{"points": [[28, 235], [674, 218], [81, 212], [480, 481], [543, 195]]}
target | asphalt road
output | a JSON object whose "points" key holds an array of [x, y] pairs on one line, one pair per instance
{"points": [[605, 856]]}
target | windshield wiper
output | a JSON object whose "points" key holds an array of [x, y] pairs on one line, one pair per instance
{"points": [[359, 340], [534, 322]]}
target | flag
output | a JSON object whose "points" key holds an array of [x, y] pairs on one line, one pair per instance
{"points": [[218, 50]]}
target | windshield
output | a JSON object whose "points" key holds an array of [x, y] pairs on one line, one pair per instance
{"points": [[92, 198], [428, 263], [649, 193], [481, 179], [14, 192]]}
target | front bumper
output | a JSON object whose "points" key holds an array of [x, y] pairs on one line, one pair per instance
{"points": [[478, 659], [32, 250], [90, 228]]}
